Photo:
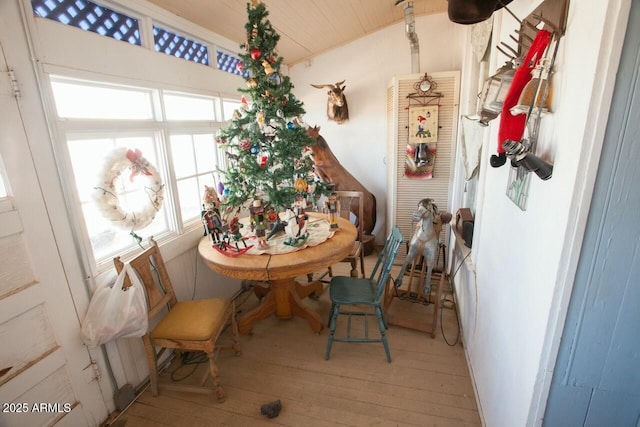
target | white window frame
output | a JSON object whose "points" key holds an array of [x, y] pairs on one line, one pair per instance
{"points": [[65, 127]]}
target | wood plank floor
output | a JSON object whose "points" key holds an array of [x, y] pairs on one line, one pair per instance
{"points": [[427, 383]]}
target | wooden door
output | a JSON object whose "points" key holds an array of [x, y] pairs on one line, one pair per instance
{"points": [[46, 373]]}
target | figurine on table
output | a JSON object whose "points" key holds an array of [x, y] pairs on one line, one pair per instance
{"points": [[233, 232], [259, 223], [210, 215], [299, 209], [333, 210]]}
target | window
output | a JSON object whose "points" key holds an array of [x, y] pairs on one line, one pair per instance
{"points": [[179, 46], [90, 17], [173, 131], [228, 62]]}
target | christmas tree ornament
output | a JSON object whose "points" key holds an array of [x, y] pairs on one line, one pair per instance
{"points": [[245, 145], [255, 54], [290, 125], [300, 185], [268, 69], [243, 103], [252, 83], [275, 79], [280, 113], [255, 149]]}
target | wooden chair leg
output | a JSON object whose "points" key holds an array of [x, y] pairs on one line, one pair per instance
{"points": [[383, 333], [152, 363], [335, 309], [213, 368], [354, 267]]}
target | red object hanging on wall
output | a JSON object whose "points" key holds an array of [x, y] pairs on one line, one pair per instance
{"points": [[512, 126]]}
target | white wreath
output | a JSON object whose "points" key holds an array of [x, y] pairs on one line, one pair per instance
{"points": [[106, 196]]}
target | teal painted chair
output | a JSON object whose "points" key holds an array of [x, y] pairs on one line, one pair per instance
{"points": [[354, 296]]}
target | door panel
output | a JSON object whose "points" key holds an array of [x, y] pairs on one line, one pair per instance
{"points": [[45, 370]]}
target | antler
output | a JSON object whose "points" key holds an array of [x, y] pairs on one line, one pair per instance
{"points": [[337, 85]]}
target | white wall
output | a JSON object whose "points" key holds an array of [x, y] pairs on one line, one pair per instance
{"points": [[367, 65], [514, 299], [525, 261]]}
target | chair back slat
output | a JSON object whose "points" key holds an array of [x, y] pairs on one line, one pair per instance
{"points": [[352, 202], [385, 261], [152, 272]]}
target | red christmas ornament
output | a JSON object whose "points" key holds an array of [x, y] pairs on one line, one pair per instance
{"points": [[255, 54]]}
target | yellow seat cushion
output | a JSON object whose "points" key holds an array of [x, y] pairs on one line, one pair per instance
{"points": [[193, 320]]}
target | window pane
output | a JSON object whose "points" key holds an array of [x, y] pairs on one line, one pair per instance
{"points": [[179, 46], [228, 62], [206, 152], [83, 100], [228, 107], [182, 154], [88, 159], [190, 199], [90, 17], [185, 107]]}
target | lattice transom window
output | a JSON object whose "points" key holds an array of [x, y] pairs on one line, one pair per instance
{"points": [[179, 46], [228, 62], [90, 17]]}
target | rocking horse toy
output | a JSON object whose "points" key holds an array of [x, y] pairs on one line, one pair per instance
{"points": [[425, 240]]}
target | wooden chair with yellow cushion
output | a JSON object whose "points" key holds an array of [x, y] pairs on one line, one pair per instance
{"points": [[187, 326]]}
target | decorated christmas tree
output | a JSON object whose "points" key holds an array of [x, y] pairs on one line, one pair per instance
{"points": [[267, 139]]}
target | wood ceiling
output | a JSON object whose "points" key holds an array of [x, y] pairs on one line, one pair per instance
{"points": [[306, 27]]}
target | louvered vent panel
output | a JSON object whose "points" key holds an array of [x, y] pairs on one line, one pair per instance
{"points": [[407, 192]]}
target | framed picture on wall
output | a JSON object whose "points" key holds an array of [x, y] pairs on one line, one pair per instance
{"points": [[423, 124]]}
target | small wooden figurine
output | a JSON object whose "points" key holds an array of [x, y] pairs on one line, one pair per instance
{"points": [[332, 210], [259, 223]]}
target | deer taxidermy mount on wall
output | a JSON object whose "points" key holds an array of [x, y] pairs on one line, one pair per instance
{"points": [[329, 169], [337, 109]]}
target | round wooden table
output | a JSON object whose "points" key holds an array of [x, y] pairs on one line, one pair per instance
{"points": [[284, 296]]}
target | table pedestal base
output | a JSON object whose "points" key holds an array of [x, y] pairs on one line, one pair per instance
{"points": [[284, 299]]}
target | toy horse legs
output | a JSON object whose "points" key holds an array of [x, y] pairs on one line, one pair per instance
{"points": [[429, 255]]}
